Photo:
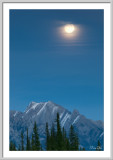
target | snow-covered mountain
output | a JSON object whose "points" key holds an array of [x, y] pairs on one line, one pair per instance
{"points": [[89, 131]]}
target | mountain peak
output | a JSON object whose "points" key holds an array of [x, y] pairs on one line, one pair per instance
{"points": [[50, 102], [75, 111], [31, 103]]}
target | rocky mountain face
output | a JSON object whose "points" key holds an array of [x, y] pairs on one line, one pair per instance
{"points": [[89, 131]]}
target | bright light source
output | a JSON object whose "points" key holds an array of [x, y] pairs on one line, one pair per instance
{"points": [[69, 28]]}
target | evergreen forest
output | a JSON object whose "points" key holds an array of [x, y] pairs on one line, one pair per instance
{"points": [[56, 139]]}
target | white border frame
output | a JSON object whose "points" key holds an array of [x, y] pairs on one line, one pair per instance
{"points": [[107, 90]]}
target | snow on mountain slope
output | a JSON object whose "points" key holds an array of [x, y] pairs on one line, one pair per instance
{"points": [[33, 107], [65, 118], [42, 108], [89, 131], [102, 134], [76, 119], [15, 113]]}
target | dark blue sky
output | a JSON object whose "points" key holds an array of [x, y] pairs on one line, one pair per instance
{"points": [[46, 65]]}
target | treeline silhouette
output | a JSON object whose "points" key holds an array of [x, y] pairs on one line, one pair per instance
{"points": [[56, 140]]}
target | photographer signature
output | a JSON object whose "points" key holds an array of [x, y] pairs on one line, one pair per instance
{"points": [[95, 148]]}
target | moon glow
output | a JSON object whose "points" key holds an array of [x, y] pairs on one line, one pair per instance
{"points": [[69, 31], [69, 28]]}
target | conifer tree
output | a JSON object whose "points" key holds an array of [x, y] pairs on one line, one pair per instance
{"points": [[98, 146], [83, 149], [59, 134], [73, 138], [19, 148], [53, 139], [33, 143], [12, 146], [65, 142], [35, 138], [47, 138], [41, 148], [63, 139], [28, 142], [76, 142], [22, 141]]}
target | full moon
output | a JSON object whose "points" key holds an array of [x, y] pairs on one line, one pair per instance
{"points": [[69, 31], [69, 28]]}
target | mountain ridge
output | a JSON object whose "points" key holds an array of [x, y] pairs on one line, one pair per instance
{"points": [[87, 129]]}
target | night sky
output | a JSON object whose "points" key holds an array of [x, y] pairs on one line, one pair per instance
{"points": [[49, 64]]}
